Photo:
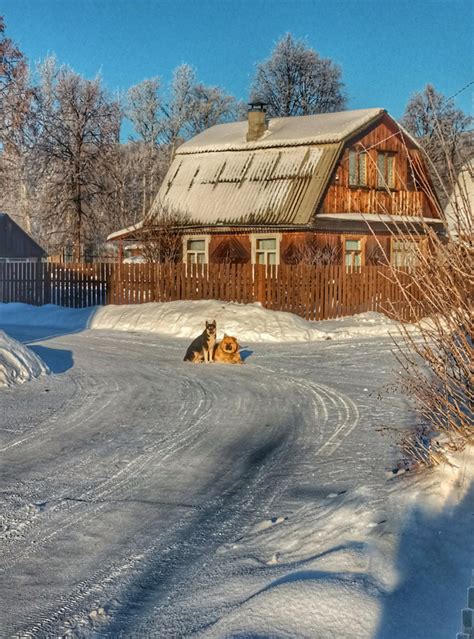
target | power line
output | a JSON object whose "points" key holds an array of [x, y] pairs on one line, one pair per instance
{"points": [[461, 90]]}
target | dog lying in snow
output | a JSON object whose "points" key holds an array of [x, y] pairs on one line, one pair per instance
{"points": [[227, 351], [202, 348]]}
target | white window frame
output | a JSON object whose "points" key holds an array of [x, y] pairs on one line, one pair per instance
{"points": [[408, 258], [361, 251], [186, 238], [265, 236], [359, 156], [383, 175]]}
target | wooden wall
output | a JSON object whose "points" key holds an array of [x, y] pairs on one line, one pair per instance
{"points": [[404, 199], [292, 245]]}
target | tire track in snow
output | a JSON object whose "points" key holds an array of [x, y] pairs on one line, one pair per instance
{"points": [[133, 471], [115, 573], [323, 402]]}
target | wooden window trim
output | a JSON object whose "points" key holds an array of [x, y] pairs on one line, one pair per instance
{"points": [[357, 238], [265, 236], [421, 241], [386, 187], [358, 184], [206, 238]]}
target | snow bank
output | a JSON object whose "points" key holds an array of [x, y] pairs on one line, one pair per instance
{"points": [[18, 363], [248, 322]]}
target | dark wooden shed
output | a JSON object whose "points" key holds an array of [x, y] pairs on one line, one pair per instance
{"points": [[15, 244]]}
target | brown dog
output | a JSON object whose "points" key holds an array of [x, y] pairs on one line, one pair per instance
{"points": [[227, 351]]}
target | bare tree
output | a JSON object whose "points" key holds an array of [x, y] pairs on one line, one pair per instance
{"points": [[190, 108], [144, 108], [77, 129], [15, 103], [14, 90], [443, 131], [295, 80]]}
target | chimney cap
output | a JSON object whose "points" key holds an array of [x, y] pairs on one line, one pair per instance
{"points": [[257, 106]]}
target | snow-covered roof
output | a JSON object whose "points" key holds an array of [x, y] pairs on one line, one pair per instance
{"points": [[323, 128], [257, 186], [125, 231], [218, 177]]}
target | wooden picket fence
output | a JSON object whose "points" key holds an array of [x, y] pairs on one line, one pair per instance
{"points": [[314, 293]]}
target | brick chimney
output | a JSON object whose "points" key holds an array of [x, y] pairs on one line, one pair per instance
{"points": [[257, 121]]}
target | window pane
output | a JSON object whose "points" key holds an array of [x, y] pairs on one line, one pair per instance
{"points": [[201, 258], [352, 168], [196, 245], [260, 258], [390, 174], [191, 258], [357, 261], [271, 258], [268, 244], [381, 170], [352, 245], [348, 259], [362, 170]]}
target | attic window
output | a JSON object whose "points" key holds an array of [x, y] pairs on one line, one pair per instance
{"points": [[357, 168], [385, 170]]}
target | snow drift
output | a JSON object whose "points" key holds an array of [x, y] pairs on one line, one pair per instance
{"points": [[185, 319], [18, 363], [248, 322]]}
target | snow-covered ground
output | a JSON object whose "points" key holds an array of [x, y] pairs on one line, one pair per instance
{"points": [[143, 496]]}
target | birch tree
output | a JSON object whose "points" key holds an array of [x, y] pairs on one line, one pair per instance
{"points": [[296, 80]]}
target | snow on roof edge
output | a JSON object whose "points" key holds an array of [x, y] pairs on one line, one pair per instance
{"points": [[281, 132]]}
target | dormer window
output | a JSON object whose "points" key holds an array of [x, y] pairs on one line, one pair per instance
{"points": [[385, 170], [357, 168]]}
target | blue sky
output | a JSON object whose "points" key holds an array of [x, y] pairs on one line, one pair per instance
{"points": [[387, 49]]}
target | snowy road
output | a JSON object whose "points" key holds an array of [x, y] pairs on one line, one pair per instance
{"points": [[141, 495]]}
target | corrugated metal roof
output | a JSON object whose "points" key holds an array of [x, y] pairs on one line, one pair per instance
{"points": [[261, 186], [218, 177]]}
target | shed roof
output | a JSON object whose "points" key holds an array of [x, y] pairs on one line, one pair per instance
{"points": [[15, 242]]}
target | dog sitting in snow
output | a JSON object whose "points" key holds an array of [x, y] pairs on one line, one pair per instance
{"points": [[227, 351], [202, 348]]}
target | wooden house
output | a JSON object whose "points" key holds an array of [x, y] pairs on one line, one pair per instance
{"points": [[348, 187], [15, 244]]}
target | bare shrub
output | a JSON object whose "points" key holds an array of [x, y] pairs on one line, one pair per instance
{"points": [[436, 361], [311, 254], [162, 235]]}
